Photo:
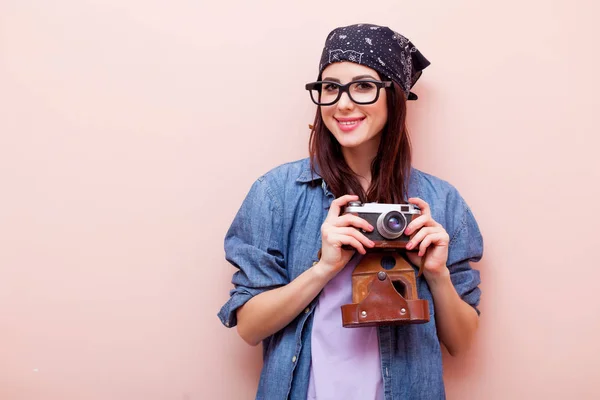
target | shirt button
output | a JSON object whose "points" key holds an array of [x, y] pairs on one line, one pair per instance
{"points": [[306, 310], [294, 359]]}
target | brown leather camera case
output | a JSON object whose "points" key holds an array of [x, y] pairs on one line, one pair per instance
{"points": [[383, 296]]}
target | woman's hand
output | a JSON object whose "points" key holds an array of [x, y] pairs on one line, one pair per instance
{"points": [[337, 231], [432, 241]]}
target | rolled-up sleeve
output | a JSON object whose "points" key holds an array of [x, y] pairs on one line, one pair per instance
{"points": [[254, 245], [466, 246]]}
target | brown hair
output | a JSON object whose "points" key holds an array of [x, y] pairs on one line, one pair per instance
{"points": [[389, 170]]}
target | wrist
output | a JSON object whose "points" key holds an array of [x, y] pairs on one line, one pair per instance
{"points": [[323, 271], [439, 279]]}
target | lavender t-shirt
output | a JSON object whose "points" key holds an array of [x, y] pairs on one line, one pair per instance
{"points": [[345, 361]]}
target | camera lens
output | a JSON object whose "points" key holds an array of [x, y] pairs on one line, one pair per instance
{"points": [[394, 224], [391, 225]]}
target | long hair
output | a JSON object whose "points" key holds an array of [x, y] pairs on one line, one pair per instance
{"points": [[390, 169]]}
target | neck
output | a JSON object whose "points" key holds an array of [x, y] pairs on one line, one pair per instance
{"points": [[359, 159]]}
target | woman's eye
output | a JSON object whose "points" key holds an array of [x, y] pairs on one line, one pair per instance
{"points": [[329, 87], [365, 86]]}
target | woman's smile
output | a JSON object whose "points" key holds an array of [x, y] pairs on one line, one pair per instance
{"points": [[349, 124]]}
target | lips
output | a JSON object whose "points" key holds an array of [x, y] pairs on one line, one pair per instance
{"points": [[349, 124]]}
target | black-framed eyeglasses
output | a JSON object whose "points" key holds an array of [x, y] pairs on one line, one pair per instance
{"points": [[364, 91]]}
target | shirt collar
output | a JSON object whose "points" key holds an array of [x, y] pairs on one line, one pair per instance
{"points": [[307, 174]]}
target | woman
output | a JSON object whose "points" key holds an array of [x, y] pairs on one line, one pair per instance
{"points": [[287, 239]]}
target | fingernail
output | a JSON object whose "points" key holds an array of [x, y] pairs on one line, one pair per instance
{"points": [[407, 231], [409, 246], [371, 228]]}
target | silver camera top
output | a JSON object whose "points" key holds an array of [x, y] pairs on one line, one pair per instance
{"points": [[390, 219], [378, 208]]}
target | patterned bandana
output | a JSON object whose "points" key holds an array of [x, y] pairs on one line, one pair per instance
{"points": [[377, 47]]}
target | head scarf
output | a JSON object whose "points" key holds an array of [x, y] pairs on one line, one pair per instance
{"points": [[378, 47]]}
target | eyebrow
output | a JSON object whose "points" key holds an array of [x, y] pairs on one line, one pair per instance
{"points": [[354, 79]]}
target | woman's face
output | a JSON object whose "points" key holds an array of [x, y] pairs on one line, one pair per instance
{"points": [[354, 125]]}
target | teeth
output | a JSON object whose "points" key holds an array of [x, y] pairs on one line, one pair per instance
{"points": [[348, 122]]}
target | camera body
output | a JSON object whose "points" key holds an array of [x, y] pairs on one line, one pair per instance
{"points": [[389, 221], [384, 285]]}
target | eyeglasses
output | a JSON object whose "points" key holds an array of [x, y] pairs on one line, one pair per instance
{"points": [[326, 93]]}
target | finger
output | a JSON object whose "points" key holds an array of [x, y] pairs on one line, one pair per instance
{"points": [[419, 236], [352, 220], [340, 240], [349, 231], [417, 223], [438, 238], [333, 233], [422, 204], [337, 204], [424, 244]]}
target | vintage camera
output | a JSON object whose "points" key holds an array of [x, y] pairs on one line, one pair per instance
{"points": [[389, 221], [384, 286]]}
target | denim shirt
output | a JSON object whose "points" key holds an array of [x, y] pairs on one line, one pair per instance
{"points": [[276, 236]]}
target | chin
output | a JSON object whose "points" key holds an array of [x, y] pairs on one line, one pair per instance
{"points": [[350, 142]]}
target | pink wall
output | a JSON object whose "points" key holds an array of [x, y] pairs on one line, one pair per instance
{"points": [[131, 130]]}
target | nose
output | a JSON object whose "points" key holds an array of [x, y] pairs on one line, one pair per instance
{"points": [[344, 103]]}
